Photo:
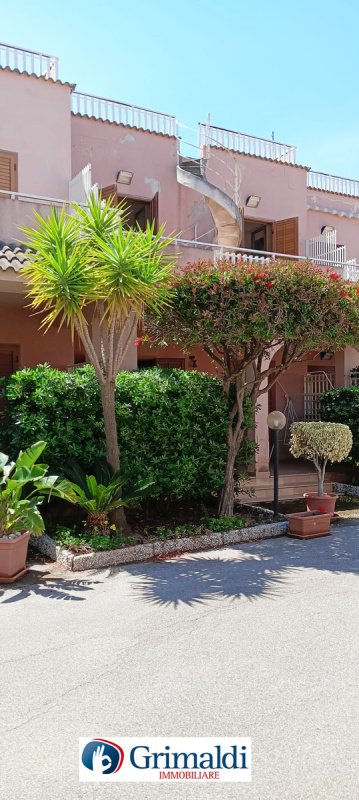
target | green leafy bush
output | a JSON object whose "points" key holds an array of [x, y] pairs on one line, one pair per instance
{"points": [[342, 405], [172, 424], [70, 539]]}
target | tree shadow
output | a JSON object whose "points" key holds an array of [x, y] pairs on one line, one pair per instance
{"points": [[42, 584], [255, 570]]}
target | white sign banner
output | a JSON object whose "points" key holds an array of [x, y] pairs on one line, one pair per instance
{"points": [[199, 759]]}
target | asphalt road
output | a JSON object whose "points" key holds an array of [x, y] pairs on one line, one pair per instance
{"points": [[258, 640]]}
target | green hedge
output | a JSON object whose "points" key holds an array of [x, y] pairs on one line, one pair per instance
{"points": [[342, 405], [172, 424]]}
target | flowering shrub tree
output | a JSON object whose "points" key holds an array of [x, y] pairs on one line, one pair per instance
{"points": [[320, 442], [238, 313]]}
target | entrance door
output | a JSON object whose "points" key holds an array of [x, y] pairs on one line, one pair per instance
{"points": [[315, 384], [138, 211], [9, 359], [285, 236]]}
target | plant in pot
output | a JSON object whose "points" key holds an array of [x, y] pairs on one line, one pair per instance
{"points": [[320, 442], [24, 484]]}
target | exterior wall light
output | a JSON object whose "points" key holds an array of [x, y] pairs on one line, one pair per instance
{"points": [[253, 201], [123, 176], [327, 229], [326, 355], [276, 421]]}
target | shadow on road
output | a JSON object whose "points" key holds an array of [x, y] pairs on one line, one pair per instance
{"points": [[249, 571], [258, 569], [43, 584]]}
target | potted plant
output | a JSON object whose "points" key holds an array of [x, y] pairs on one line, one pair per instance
{"points": [[320, 442], [309, 524], [23, 486]]}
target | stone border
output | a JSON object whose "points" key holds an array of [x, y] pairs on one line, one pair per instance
{"points": [[159, 549], [346, 489], [48, 547]]}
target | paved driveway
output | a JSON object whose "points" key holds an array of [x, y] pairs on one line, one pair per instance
{"points": [[258, 640]]}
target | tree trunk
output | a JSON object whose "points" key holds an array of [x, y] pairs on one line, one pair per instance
{"points": [[112, 449], [226, 503], [234, 440], [320, 483]]}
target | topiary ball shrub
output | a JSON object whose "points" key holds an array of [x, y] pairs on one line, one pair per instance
{"points": [[320, 442], [172, 424]]}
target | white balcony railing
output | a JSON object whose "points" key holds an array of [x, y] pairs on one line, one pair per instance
{"points": [[28, 61], [88, 105], [332, 183], [248, 145], [190, 250]]}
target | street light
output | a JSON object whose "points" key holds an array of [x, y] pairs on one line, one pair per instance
{"points": [[276, 422]]}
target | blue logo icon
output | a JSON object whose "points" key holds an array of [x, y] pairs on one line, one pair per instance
{"points": [[102, 757]]}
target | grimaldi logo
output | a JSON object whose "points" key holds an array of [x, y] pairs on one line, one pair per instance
{"points": [[201, 759]]}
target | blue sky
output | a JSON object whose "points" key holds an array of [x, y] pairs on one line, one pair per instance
{"points": [[258, 67]]}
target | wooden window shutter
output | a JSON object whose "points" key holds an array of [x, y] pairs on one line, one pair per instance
{"points": [[153, 212], [285, 236], [9, 360], [8, 171], [110, 191]]}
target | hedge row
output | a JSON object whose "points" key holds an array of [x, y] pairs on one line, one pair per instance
{"points": [[171, 423], [342, 405]]}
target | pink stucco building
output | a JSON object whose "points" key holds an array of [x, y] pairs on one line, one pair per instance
{"points": [[232, 193]]}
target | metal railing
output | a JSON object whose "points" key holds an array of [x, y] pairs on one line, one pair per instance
{"points": [[87, 105], [248, 145], [349, 270], [28, 61], [332, 183]]}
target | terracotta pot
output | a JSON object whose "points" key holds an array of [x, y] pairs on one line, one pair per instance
{"points": [[325, 504], [13, 554], [309, 524]]}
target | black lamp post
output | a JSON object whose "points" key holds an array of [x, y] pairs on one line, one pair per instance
{"points": [[276, 422]]}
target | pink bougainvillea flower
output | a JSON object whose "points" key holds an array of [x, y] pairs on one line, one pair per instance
{"points": [[269, 284], [342, 294], [138, 341], [334, 275]]}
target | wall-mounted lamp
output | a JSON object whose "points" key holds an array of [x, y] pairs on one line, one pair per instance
{"points": [[327, 229], [253, 201], [123, 176], [326, 355]]}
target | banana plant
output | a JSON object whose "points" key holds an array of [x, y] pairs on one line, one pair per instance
{"points": [[24, 484]]}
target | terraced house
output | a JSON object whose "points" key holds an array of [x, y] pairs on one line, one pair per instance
{"points": [[230, 193]]}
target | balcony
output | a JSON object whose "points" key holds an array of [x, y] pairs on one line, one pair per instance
{"points": [[29, 61], [189, 251], [17, 209], [87, 105], [332, 183], [212, 136]]}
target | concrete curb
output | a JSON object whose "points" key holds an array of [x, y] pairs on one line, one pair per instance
{"points": [[48, 547], [145, 552]]}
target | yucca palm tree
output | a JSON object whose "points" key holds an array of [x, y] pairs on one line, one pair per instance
{"points": [[90, 272]]}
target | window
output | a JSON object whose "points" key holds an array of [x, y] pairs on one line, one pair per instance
{"points": [[9, 359], [171, 363], [8, 171], [139, 211]]}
